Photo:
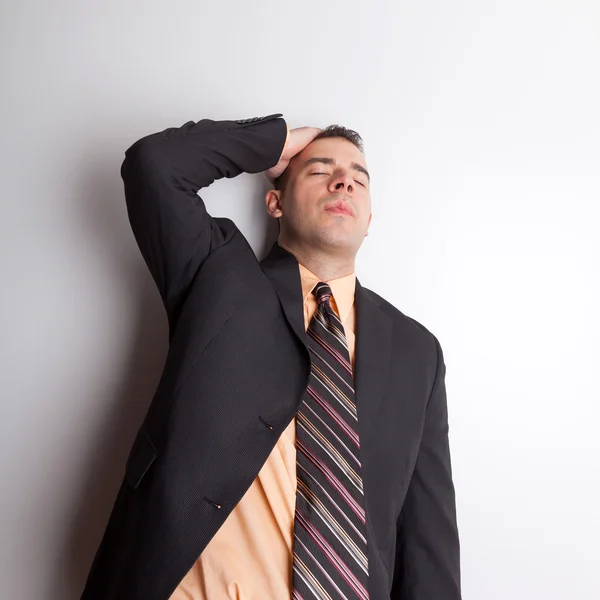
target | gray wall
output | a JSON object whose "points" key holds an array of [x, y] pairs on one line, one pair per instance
{"points": [[481, 127]]}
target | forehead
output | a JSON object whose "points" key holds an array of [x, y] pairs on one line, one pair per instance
{"points": [[340, 149]]}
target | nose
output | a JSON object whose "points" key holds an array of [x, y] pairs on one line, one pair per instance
{"points": [[343, 182]]}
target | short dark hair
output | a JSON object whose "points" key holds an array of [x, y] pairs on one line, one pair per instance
{"points": [[329, 131]]}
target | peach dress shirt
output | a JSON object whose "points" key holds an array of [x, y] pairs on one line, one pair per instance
{"points": [[250, 557]]}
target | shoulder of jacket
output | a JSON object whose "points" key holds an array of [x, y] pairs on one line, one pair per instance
{"points": [[397, 315]]}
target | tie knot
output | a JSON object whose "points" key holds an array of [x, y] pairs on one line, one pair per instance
{"points": [[322, 293]]}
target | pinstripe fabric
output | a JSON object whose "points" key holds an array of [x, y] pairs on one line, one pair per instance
{"points": [[330, 547]]}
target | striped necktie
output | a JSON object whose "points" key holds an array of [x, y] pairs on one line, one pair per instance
{"points": [[330, 546]]}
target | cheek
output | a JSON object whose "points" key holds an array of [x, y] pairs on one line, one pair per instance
{"points": [[366, 218], [306, 206], [300, 212]]}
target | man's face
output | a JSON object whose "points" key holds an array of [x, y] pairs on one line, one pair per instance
{"points": [[326, 202]]}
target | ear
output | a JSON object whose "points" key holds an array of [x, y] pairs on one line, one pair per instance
{"points": [[273, 202]]}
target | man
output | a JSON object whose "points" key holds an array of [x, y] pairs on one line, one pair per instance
{"points": [[297, 444]]}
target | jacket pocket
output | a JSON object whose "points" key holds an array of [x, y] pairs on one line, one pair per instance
{"points": [[142, 455]]}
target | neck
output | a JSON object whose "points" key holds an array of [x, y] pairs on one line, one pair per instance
{"points": [[325, 265]]}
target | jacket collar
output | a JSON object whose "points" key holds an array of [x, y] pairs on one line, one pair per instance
{"points": [[373, 328], [281, 267]]}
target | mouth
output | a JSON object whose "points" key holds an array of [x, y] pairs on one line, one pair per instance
{"points": [[340, 208]]}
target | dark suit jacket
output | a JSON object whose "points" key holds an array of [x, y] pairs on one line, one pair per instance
{"points": [[235, 373]]}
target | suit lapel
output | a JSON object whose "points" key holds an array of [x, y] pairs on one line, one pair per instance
{"points": [[373, 332], [281, 267], [372, 360]]}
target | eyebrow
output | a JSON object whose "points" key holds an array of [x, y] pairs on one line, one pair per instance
{"points": [[331, 161]]}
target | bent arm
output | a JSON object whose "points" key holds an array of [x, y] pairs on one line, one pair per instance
{"points": [[162, 174], [427, 563]]}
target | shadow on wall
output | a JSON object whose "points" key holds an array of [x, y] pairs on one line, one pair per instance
{"points": [[104, 217]]}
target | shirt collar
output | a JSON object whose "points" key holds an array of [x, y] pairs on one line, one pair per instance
{"points": [[342, 289]]}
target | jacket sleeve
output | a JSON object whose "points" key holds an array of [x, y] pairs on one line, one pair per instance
{"points": [[162, 174], [427, 565]]}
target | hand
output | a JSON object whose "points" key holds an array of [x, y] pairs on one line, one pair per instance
{"points": [[296, 140]]}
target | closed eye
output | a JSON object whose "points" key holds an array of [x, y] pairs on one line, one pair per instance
{"points": [[321, 173]]}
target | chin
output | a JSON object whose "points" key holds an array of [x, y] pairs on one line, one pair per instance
{"points": [[338, 242]]}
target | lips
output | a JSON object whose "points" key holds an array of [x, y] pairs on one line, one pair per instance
{"points": [[340, 208]]}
